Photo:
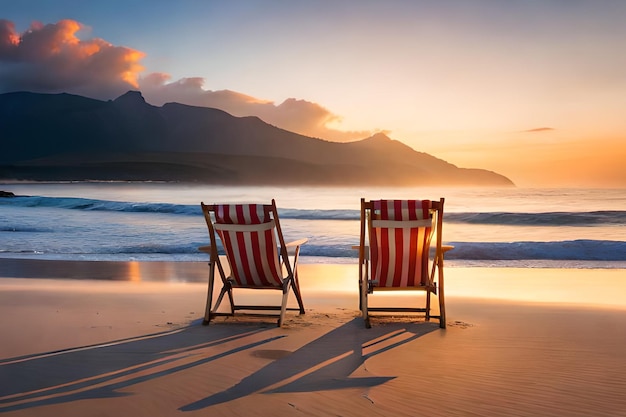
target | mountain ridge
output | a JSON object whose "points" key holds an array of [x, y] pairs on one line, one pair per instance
{"points": [[67, 137]]}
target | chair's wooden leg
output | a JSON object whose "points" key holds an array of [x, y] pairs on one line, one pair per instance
{"points": [[227, 288], [298, 294], [296, 282], [231, 300], [442, 312], [442, 305], [283, 306], [361, 275], [363, 292], [364, 312], [223, 291], [428, 291], [361, 295], [209, 297]]}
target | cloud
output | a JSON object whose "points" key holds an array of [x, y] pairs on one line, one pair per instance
{"points": [[51, 58], [538, 129], [298, 116]]}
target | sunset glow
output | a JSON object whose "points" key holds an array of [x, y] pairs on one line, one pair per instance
{"points": [[534, 91], [132, 58]]}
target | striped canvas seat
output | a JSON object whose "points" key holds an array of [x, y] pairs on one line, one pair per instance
{"points": [[399, 234], [248, 236], [400, 241], [256, 253]]}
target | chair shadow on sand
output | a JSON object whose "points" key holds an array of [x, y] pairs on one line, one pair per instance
{"points": [[99, 371]]}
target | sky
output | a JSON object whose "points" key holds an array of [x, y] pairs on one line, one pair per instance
{"points": [[532, 89]]}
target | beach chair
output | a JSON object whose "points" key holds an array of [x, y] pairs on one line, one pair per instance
{"points": [[395, 256], [257, 255]]}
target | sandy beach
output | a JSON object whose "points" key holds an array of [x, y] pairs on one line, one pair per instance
{"points": [[126, 339]]}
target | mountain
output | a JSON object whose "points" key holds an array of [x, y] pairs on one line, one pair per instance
{"points": [[68, 137]]}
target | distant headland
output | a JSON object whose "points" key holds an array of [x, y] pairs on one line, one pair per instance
{"points": [[61, 137]]}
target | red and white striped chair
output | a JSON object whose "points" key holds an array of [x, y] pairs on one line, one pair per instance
{"points": [[256, 252], [396, 255]]}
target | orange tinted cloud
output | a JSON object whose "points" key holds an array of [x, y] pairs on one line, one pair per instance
{"points": [[538, 129], [51, 58], [298, 116], [8, 38]]}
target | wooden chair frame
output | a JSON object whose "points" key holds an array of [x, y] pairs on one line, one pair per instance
{"points": [[290, 271], [435, 282]]}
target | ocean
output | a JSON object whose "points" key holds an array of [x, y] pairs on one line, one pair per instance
{"points": [[504, 227]]}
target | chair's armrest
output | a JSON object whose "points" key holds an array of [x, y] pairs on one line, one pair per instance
{"points": [[205, 248], [294, 245], [445, 248], [366, 250]]}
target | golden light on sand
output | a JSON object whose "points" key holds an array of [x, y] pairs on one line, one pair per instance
{"points": [[134, 271]]}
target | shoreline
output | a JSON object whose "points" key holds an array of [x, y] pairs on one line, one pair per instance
{"points": [[519, 342], [557, 285]]}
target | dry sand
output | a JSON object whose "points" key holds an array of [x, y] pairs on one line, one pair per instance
{"points": [[523, 342]]}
